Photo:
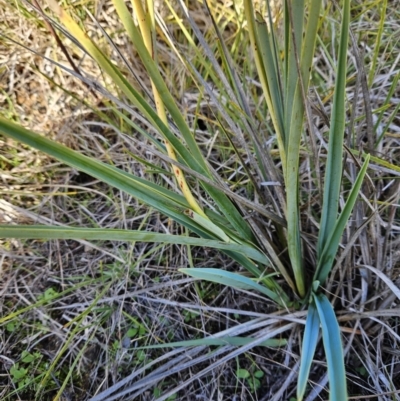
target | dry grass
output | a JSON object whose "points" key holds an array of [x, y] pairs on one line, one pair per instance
{"points": [[80, 309]]}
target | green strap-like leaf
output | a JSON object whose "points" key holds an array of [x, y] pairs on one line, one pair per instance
{"points": [[333, 174], [299, 68], [232, 280], [262, 73], [327, 256], [333, 349], [154, 195], [224, 203], [310, 340], [45, 232], [192, 156], [235, 341], [265, 43], [161, 199], [294, 12]]}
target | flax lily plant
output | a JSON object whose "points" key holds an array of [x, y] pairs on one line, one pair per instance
{"points": [[284, 70]]}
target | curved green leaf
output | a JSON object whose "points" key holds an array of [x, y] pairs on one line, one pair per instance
{"points": [[333, 349], [333, 174], [46, 232], [235, 341], [161, 199], [232, 280], [299, 56], [310, 340], [329, 251]]}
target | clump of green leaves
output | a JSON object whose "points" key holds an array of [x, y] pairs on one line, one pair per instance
{"points": [[252, 378], [284, 68], [25, 372], [285, 84]]}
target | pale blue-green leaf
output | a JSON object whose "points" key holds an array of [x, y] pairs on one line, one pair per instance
{"points": [[268, 52], [262, 73], [327, 256], [294, 12], [333, 173], [310, 38], [46, 232], [333, 349], [230, 279], [235, 341], [299, 67], [310, 340]]}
